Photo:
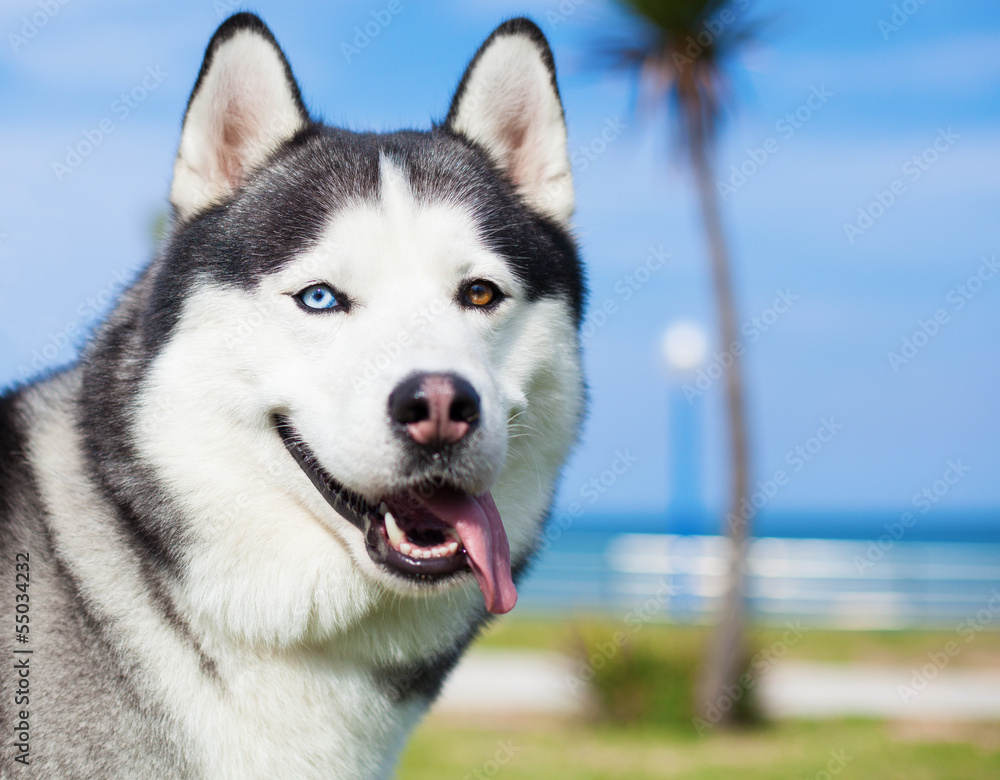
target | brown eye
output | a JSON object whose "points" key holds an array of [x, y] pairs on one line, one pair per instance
{"points": [[481, 293]]}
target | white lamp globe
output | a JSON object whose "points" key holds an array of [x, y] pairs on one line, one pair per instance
{"points": [[685, 345]]}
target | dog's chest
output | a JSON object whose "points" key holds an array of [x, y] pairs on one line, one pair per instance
{"points": [[302, 717]]}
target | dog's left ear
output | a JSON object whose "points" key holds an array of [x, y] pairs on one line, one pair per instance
{"points": [[508, 103], [245, 103]]}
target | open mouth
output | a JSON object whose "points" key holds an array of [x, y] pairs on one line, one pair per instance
{"points": [[427, 534]]}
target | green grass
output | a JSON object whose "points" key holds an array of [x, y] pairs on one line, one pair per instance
{"points": [[645, 682], [793, 750]]}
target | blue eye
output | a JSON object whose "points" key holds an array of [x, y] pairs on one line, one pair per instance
{"points": [[318, 297]]}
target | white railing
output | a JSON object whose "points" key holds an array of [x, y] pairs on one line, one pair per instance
{"points": [[843, 583]]}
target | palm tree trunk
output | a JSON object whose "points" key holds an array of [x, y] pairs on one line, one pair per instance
{"points": [[719, 687]]}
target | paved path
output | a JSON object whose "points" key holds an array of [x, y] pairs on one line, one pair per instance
{"points": [[807, 690], [505, 682], [513, 681]]}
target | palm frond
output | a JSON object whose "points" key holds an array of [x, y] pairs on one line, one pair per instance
{"points": [[681, 57]]}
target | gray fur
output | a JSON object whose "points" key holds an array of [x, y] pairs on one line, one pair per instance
{"points": [[149, 655]]}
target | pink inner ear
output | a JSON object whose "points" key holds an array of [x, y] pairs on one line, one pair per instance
{"points": [[509, 105], [232, 149], [518, 161], [244, 106]]}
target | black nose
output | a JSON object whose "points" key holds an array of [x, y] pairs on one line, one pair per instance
{"points": [[435, 408], [465, 403]]}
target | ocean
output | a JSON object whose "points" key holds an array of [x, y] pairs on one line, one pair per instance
{"points": [[857, 570]]}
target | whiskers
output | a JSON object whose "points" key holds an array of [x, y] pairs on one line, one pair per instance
{"points": [[520, 429]]}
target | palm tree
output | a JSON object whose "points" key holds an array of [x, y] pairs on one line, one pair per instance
{"points": [[682, 61]]}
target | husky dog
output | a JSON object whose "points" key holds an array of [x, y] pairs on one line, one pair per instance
{"points": [[312, 448]]}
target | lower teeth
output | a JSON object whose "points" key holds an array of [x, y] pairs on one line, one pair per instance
{"points": [[440, 551], [398, 540]]}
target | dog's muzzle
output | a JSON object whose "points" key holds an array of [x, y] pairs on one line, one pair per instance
{"points": [[430, 531]]}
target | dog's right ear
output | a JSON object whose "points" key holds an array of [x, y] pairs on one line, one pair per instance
{"points": [[245, 103]]}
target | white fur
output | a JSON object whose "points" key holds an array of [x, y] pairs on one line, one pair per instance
{"points": [[242, 111], [280, 589], [402, 263], [510, 107], [305, 713]]}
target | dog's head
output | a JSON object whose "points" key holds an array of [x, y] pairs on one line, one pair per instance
{"points": [[374, 336]]}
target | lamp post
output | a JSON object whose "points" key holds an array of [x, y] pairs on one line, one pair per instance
{"points": [[685, 346]]}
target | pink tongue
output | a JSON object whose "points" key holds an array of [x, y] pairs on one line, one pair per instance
{"points": [[478, 523]]}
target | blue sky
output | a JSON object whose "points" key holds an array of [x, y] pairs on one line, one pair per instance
{"points": [[66, 243]]}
